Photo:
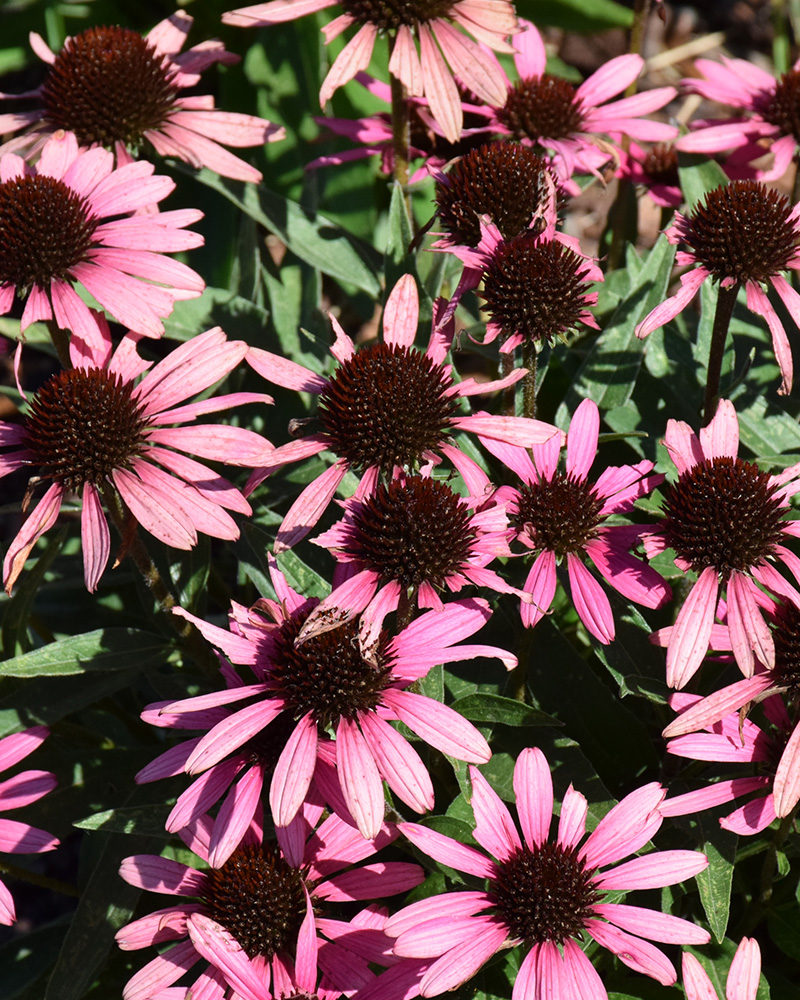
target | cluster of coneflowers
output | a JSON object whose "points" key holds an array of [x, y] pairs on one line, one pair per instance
{"points": [[289, 753]]}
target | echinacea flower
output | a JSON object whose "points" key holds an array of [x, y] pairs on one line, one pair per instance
{"points": [[736, 740], [325, 685], [115, 88], [544, 893], [403, 545], [654, 169], [53, 237], [743, 975], [768, 108], [742, 234], [445, 50], [387, 406], [560, 516], [94, 431], [724, 519], [256, 920], [568, 123], [17, 837]]}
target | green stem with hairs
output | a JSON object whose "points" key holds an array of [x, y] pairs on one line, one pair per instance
{"points": [[510, 392], [529, 359], [726, 300]]}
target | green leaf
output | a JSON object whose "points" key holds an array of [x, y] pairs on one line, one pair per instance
{"points": [[104, 649], [398, 261], [698, 175], [584, 16], [217, 307], [314, 238], [784, 928], [481, 707], [17, 610], [146, 821], [609, 372], [716, 882]]}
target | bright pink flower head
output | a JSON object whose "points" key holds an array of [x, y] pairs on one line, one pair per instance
{"points": [[387, 406], [94, 430], [743, 234], [255, 921], [743, 975], [304, 691], [736, 740], [24, 788], [725, 521], [568, 122], [545, 892], [655, 169], [536, 284], [114, 88], [768, 109], [559, 515], [444, 51], [53, 237]]}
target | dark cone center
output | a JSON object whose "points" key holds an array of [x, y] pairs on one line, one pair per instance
{"points": [[326, 675], [544, 894], [661, 164], [560, 514], [82, 425], [46, 228], [786, 635], [743, 231], [542, 109], [534, 287], [414, 531], [108, 85], [258, 898], [723, 514], [504, 180], [389, 15], [783, 109], [386, 407]]}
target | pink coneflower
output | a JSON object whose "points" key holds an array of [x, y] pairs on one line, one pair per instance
{"points": [[24, 788], [94, 431], [401, 546], [567, 122], [545, 893], [444, 50], [743, 975], [257, 917], [769, 109], [53, 237], [656, 170], [387, 406], [324, 685], [743, 234], [114, 88], [560, 516], [724, 519], [735, 740]]}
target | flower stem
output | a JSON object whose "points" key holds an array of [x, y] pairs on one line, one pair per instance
{"points": [[529, 358], [510, 392], [726, 300], [60, 340], [44, 881]]}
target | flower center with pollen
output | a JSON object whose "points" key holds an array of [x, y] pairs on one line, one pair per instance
{"points": [[661, 164], [503, 180], [46, 228], [108, 85], [561, 514], [258, 898], [544, 894], [414, 531], [389, 15], [82, 425], [743, 231], [326, 675], [723, 514], [783, 109], [386, 407], [547, 108], [534, 288]]}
